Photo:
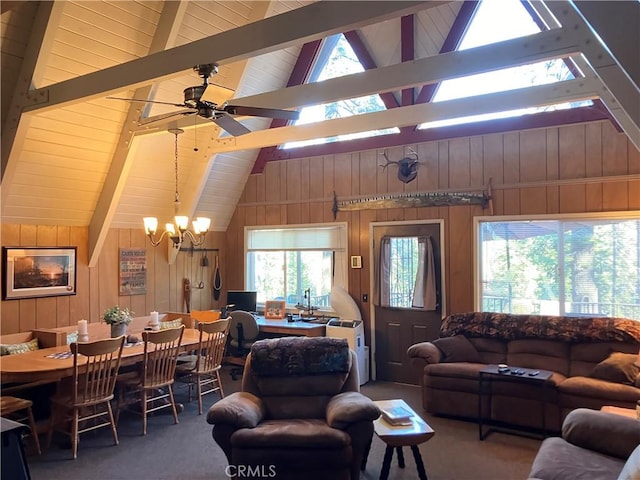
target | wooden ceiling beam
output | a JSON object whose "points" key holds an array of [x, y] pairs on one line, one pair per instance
{"points": [[304, 24], [122, 158], [533, 48], [16, 125], [541, 95], [620, 93]]}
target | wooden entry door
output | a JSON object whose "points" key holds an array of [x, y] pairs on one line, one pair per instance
{"points": [[397, 328]]}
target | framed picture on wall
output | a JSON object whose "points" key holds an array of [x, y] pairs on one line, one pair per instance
{"points": [[31, 272], [274, 309]]}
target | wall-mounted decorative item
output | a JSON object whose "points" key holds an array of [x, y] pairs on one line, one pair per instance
{"points": [[417, 199], [407, 166], [356, 261], [274, 309], [133, 271], [31, 272]]}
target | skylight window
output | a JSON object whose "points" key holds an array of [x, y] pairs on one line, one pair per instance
{"points": [[337, 59], [496, 21]]}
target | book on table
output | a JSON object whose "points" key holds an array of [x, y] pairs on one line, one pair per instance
{"points": [[396, 415]]}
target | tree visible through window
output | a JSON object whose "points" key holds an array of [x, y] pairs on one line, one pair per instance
{"points": [[497, 21], [340, 61], [285, 261], [561, 267]]}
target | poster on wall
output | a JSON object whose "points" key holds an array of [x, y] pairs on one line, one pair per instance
{"points": [[133, 271]]}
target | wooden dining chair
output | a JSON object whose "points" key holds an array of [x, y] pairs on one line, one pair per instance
{"points": [[20, 410], [88, 405], [203, 368], [151, 387]]}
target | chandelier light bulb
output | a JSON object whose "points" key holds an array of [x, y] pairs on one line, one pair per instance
{"points": [[182, 222], [150, 225]]}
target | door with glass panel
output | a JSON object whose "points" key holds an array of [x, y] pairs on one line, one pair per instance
{"points": [[407, 294]]}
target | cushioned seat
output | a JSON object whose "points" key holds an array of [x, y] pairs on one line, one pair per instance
{"points": [[593, 363], [300, 411], [294, 433], [594, 445]]}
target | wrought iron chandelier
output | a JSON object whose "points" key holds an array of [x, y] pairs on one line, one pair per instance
{"points": [[178, 231]]}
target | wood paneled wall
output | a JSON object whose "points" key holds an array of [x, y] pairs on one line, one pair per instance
{"points": [[577, 168], [98, 288]]}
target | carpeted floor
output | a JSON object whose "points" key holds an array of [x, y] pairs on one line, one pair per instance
{"points": [[187, 450]]}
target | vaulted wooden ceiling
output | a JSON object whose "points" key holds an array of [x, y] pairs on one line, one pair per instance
{"points": [[71, 156]]}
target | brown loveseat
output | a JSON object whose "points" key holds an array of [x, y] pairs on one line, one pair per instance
{"points": [[300, 414], [593, 360]]}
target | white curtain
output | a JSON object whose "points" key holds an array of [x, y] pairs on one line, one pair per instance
{"points": [[384, 272], [424, 290]]}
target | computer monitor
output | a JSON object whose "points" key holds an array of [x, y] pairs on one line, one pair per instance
{"points": [[242, 300]]}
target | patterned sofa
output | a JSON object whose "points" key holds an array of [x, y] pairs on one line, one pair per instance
{"points": [[593, 360]]}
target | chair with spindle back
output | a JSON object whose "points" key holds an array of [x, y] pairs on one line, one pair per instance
{"points": [[152, 386], [95, 368], [203, 368]]}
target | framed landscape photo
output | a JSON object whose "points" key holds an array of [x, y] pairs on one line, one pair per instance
{"points": [[31, 272], [274, 309]]}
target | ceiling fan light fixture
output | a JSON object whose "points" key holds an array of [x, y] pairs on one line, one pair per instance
{"points": [[177, 232]]}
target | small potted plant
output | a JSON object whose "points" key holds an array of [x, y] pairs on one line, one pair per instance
{"points": [[118, 318]]}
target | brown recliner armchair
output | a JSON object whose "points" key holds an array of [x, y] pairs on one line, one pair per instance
{"points": [[300, 413]]}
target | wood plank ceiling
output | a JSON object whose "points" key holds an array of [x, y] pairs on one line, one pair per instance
{"points": [[71, 156]]}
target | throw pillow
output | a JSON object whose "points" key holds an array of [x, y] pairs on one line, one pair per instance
{"points": [[618, 368], [13, 348], [72, 337], [457, 349]]}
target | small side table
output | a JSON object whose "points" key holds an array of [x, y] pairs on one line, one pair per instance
{"points": [[491, 373], [396, 437]]}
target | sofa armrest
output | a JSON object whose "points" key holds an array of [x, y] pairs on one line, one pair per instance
{"points": [[424, 353], [240, 409], [608, 433], [350, 407]]}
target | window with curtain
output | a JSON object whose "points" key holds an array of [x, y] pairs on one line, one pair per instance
{"points": [[285, 261], [406, 276], [582, 266]]}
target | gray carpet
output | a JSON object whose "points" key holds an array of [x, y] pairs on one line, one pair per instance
{"points": [[187, 450]]}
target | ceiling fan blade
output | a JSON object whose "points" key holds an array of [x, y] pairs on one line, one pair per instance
{"points": [[217, 94], [147, 101], [164, 116], [232, 126], [262, 112]]}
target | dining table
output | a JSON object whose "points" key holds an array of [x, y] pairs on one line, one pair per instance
{"points": [[56, 363]]}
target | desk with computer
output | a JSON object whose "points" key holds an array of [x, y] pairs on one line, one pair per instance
{"points": [[247, 326]]}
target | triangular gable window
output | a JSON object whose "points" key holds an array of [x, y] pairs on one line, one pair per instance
{"points": [[336, 59], [496, 21]]}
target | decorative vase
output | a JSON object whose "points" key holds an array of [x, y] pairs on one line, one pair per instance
{"points": [[118, 329]]}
